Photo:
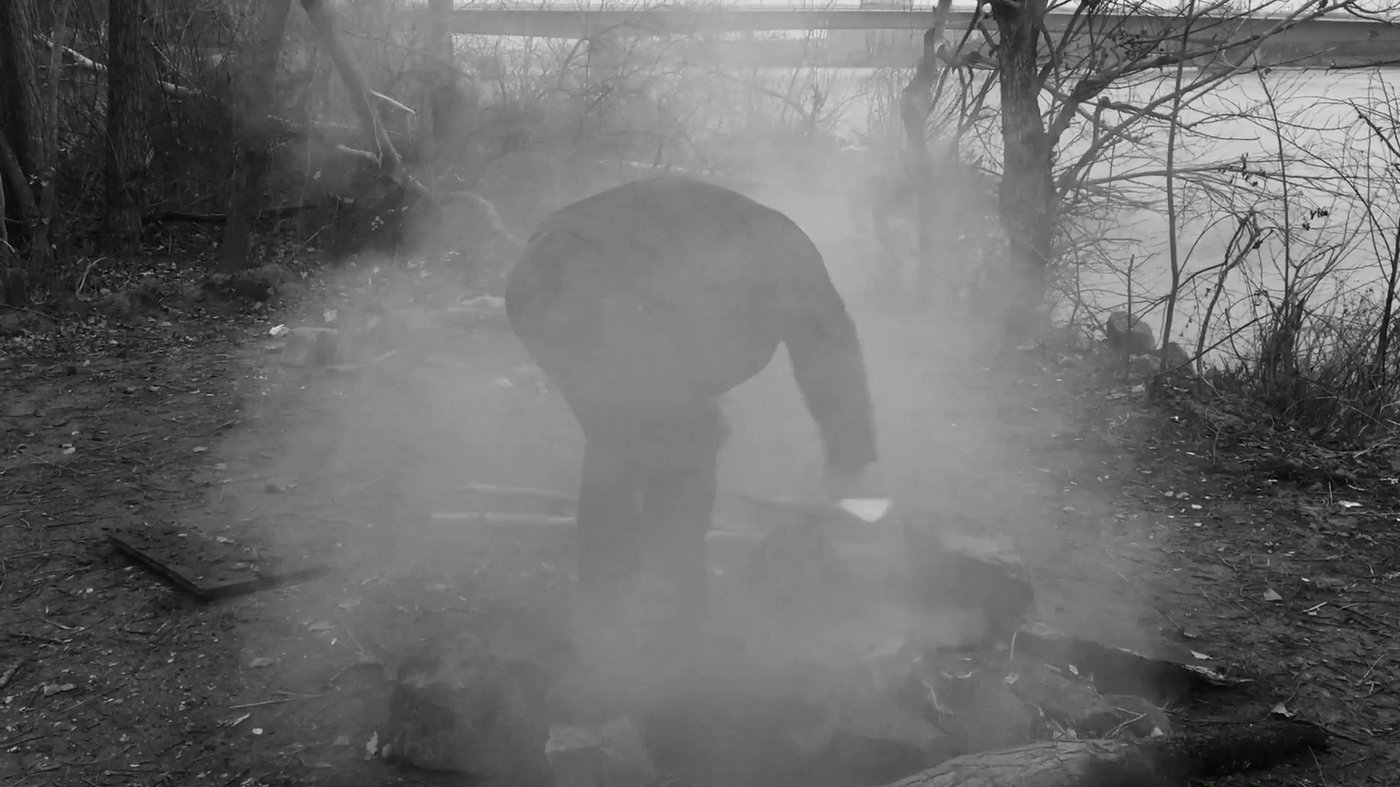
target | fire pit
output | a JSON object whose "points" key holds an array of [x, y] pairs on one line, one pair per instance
{"points": [[844, 653]]}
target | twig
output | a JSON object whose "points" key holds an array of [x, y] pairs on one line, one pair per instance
{"points": [[13, 742], [59, 625], [78, 291], [1124, 725], [495, 518], [29, 311], [278, 701], [383, 99], [40, 637], [1373, 619], [9, 674], [1358, 683], [524, 492]]}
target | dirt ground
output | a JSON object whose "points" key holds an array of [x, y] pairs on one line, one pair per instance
{"points": [[1140, 525]]}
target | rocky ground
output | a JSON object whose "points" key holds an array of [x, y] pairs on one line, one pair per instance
{"points": [[1140, 524]]}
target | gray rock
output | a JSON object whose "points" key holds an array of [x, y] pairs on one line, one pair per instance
{"points": [[312, 346], [610, 754], [1129, 334], [796, 573], [876, 746], [961, 571], [981, 713], [1178, 358], [458, 706], [1068, 702]]}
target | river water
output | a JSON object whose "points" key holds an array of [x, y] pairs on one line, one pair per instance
{"points": [[1287, 151]]}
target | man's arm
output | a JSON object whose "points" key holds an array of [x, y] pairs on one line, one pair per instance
{"points": [[829, 365]]}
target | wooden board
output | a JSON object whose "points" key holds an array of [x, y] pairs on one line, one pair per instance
{"points": [[206, 567]]}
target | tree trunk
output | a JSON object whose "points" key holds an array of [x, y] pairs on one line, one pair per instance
{"points": [[1028, 202], [914, 111], [41, 253], [19, 119], [1174, 260], [1169, 761], [126, 132], [439, 83], [915, 104], [381, 210], [11, 171], [251, 158], [1381, 365], [5, 246]]}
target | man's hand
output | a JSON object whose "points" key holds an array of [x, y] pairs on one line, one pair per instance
{"points": [[839, 485]]}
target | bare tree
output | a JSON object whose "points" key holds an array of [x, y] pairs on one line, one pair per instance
{"points": [[253, 102], [1173, 255], [443, 115], [1027, 190], [19, 122], [1066, 85], [126, 131], [47, 180], [29, 136]]}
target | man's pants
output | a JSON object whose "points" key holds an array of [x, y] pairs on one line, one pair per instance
{"points": [[645, 504]]}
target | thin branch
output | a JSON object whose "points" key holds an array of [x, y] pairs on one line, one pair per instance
{"points": [[389, 102], [85, 63], [323, 22]]}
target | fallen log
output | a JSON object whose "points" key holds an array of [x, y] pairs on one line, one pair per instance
{"points": [[222, 218], [1165, 761], [1116, 670], [497, 521]]}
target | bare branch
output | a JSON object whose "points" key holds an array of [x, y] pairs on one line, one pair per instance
{"points": [[389, 102], [85, 63], [323, 22]]}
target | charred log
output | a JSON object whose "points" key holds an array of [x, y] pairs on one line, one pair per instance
{"points": [[1166, 761]]}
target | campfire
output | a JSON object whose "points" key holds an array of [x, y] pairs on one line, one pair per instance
{"points": [[848, 652]]}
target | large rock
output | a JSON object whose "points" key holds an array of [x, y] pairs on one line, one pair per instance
{"points": [[609, 754], [876, 744], [1072, 704], [957, 570], [1129, 334], [458, 706], [876, 725], [796, 573], [980, 712], [1177, 358], [312, 346]]}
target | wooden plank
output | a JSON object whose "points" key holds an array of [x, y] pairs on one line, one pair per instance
{"points": [[204, 566]]}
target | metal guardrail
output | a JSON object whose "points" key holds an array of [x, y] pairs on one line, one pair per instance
{"points": [[855, 37], [670, 20]]}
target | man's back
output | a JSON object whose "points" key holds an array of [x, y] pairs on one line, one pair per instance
{"points": [[671, 289]]}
